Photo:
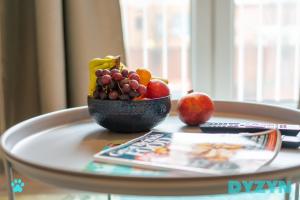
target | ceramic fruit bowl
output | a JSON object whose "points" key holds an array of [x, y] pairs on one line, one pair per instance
{"points": [[129, 116]]}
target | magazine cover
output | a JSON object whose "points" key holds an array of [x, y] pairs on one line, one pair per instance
{"points": [[122, 170], [192, 152]]}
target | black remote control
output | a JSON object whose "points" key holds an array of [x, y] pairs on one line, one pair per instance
{"points": [[290, 133], [231, 127], [291, 142]]}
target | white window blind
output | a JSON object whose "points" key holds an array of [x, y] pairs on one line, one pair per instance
{"points": [[157, 36], [246, 50], [266, 44]]}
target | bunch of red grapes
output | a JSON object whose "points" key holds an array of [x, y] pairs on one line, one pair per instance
{"points": [[118, 84]]}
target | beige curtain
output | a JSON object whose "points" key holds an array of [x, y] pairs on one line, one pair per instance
{"points": [[93, 29], [2, 120], [46, 46]]}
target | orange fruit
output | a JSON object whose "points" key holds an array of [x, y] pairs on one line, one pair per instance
{"points": [[145, 75]]}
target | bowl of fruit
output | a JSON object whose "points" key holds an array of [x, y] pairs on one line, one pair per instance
{"points": [[126, 101]]}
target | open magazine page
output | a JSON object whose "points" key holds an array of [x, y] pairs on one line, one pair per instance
{"points": [[192, 152]]}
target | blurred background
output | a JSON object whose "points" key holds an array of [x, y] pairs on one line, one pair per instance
{"points": [[264, 40], [241, 50]]}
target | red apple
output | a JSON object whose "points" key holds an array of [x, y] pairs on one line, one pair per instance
{"points": [[156, 89], [195, 108]]}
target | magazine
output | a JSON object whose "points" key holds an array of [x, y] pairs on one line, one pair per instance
{"points": [[196, 152], [122, 170]]}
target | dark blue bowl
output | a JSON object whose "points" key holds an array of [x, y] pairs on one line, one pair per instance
{"points": [[129, 116]]}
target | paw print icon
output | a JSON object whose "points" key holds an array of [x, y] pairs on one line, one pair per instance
{"points": [[17, 185]]}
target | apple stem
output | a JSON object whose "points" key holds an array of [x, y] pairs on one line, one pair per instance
{"points": [[190, 91]]}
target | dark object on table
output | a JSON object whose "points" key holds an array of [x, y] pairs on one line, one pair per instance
{"points": [[236, 127], [290, 132], [129, 116]]}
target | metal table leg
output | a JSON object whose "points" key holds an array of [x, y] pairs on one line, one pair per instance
{"points": [[296, 191], [286, 196], [9, 179]]}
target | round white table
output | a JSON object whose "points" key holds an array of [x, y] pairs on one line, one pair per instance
{"points": [[55, 148]]}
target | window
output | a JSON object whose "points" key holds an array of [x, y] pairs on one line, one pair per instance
{"points": [[266, 44], [157, 36], [246, 50]]}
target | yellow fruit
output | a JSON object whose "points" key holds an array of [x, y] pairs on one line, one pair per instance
{"points": [[122, 66], [100, 63], [162, 79], [145, 75]]}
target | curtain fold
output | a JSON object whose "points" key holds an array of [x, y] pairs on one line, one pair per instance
{"points": [[93, 29], [50, 55], [45, 50], [2, 118], [20, 72]]}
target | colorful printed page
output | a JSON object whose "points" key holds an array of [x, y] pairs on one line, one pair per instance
{"points": [[192, 152], [121, 170]]}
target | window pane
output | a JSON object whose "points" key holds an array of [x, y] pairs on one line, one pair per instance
{"points": [[266, 44], [157, 36]]}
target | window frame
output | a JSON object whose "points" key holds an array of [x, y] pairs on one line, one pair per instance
{"points": [[212, 47]]}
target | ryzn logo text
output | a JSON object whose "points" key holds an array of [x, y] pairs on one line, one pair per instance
{"points": [[259, 186]]}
